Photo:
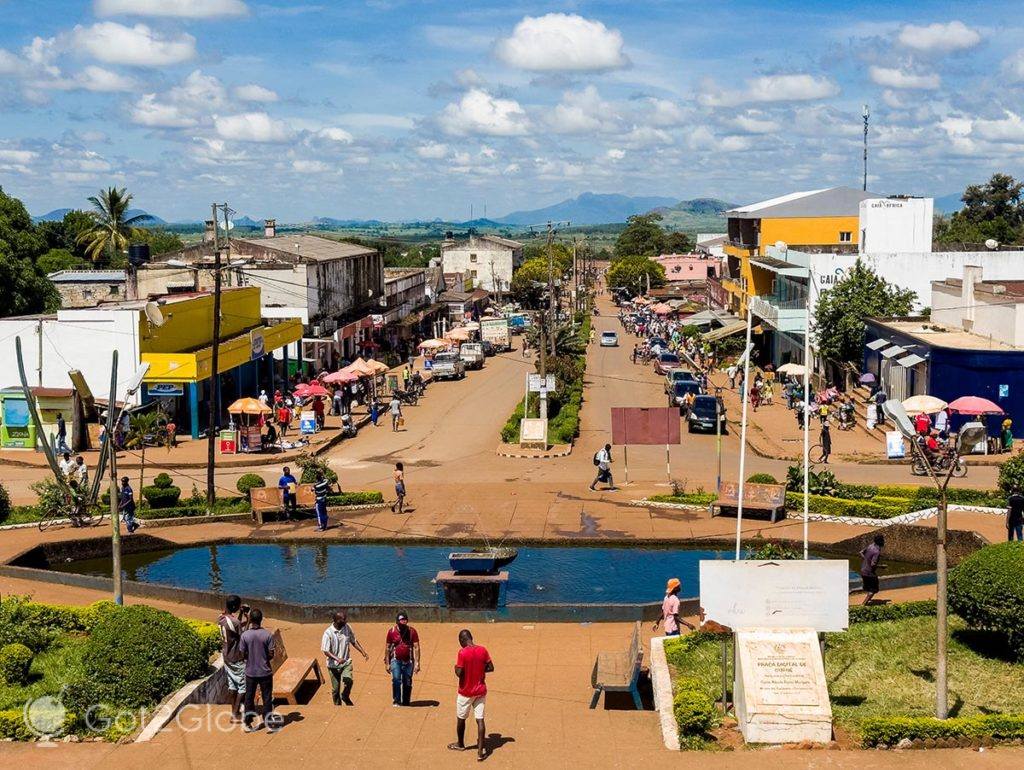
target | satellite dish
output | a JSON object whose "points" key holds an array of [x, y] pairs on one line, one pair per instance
{"points": [[136, 381], [991, 244], [156, 318], [226, 225]]}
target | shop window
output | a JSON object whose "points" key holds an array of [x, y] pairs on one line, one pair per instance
{"points": [[114, 289], [845, 236]]}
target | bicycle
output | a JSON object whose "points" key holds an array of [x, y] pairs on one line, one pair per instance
{"points": [[90, 515], [816, 454]]}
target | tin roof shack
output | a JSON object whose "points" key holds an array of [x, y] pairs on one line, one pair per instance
{"points": [[88, 288]]}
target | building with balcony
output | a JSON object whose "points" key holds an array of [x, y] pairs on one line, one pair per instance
{"points": [[486, 260]]}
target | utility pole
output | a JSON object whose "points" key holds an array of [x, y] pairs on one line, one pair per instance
{"points": [[866, 114], [115, 519], [543, 331], [213, 394]]}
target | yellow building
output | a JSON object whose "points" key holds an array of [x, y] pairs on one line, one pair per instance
{"points": [[179, 350], [813, 221]]}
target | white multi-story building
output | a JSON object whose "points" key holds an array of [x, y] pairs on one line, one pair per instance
{"points": [[898, 224], [488, 260]]}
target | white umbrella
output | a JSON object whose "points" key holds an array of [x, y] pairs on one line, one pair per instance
{"points": [[925, 404], [795, 370]]}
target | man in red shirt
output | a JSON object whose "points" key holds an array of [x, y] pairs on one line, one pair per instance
{"points": [[471, 667], [284, 417], [402, 658]]}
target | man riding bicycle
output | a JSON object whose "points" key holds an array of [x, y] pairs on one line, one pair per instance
{"points": [[76, 504]]}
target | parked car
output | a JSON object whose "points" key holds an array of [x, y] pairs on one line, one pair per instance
{"points": [[447, 366], [609, 340], [678, 375], [702, 414], [472, 355], [680, 389], [666, 361]]}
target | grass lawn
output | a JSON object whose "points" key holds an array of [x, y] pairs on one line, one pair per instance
{"points": [[50, 671], [888, 669]]}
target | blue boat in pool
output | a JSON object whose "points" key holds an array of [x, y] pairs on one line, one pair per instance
{"points": [[483, 562]]}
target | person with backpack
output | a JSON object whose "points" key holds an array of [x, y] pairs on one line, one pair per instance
{"points": [[603, 461]]}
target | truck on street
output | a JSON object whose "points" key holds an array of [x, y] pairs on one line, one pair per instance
{"points": [[497, 331], [447, 366], [472, 355]]}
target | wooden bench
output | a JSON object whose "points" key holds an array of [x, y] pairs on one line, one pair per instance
{"points": [[619, 671], [756, 497], [290, 673], [271, 499]]}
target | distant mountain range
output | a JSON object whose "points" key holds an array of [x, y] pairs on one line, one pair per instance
{"points": [[588, 209], [149, 220], [703, 215]]}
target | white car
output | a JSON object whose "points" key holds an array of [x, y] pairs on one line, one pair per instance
{"points": [[609, 340]]}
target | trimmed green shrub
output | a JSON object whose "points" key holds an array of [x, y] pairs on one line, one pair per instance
{"points": [[249, 481], [163, 493], [986, 590], [136, 656], [693, 708], [874, 613], [208, 633], [355, 498], [891, 730], [762, 549], [1011, 474], [163, 481], [762, 478], [312, 465], [878, 508], [5, 504], [12, 726], [15, 661], [699, 499]]}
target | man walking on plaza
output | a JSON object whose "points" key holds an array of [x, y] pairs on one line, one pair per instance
{"points": [[320, 490], [402, 659], [826, 442], [257, 648], [335, 645], [670, 618], [233, 622], [288, 486], [62, 434], [1015, 515], [869, 567], [603, 461], [126, 505], [731, 373], [396, 412], [471, 667]]}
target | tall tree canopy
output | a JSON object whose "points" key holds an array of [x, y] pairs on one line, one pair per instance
{"points": [[24, 288], [991, 210], [633, 273], [840, 312], [531, 272], [112, 228], [642, 236]]}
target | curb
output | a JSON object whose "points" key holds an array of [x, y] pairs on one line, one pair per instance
{"points": [[661, 684], [502, 452]]}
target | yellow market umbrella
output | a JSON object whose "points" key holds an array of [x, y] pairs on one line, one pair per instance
{"points": [[249, 406], [925, 404], [460, 333], [377, 366]]}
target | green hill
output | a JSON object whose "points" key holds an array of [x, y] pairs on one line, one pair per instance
{"points": [[698, 215]]}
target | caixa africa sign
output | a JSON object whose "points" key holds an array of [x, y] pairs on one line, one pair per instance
{"points": [[827, 280]]}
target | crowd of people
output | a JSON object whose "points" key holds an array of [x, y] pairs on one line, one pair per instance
{"points": [[249, 651]]}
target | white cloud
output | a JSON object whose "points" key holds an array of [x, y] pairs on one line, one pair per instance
{"points": [[94, 78], [1013, 66], [755, 123], [335, 134], [560, 42], [1007, 130], [893, 99], [312, 167], [647, 136], [183, 9], [582, 112], [432, 150], [665, 113], [891, 77], [376, 120], [615, 153], [155, 114], [772, 88], [254, 93], [251, 127], [138, 46], [477, 112], [9, 63], [17, 156], [468, 77], [939, 38]]}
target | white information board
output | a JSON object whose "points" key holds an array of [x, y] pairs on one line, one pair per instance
{"points": [[776, 594]]}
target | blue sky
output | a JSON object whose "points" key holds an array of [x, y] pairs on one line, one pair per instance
{"points": [[398, 109]]}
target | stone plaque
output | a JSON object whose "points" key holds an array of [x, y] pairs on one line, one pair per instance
{"points": [[533, 432], [780, 691]]}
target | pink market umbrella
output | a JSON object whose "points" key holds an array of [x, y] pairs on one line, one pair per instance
{"points": [[340, 377], [314, 390], [974, 405]]}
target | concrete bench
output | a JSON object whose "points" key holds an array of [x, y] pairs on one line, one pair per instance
{"points": [[619, 671], [756, 497], [290, 673]]}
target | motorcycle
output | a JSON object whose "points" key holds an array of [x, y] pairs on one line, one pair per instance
{"points": [[406, 396], [940, 464]]}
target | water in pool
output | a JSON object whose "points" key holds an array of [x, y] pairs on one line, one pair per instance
{"points": [[389, 574]]}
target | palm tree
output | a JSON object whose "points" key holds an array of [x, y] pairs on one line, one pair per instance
{"points": [[564, 341], [112, 228]]}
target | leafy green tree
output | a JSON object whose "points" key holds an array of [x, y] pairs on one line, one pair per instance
{"points": [[642, 236], [531, 272], [59, 259], [19, 238], [679, 243], [112, 228], [24, 289], [633, 272], [841, 310], [160, 240], [991, 210], [565, 342]]}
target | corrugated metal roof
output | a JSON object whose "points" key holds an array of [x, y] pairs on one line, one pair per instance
{"points": [[311, 247], [829, 202], [87, 276]]}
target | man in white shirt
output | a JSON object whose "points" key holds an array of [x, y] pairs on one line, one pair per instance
{"points": [[67, 466], [603, 458], [81, 472], [337, 640]]}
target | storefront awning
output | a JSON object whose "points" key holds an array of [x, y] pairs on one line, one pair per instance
{"points": [[197, 365], [779, 266], [908, 361], [726, 331], [895, 350], [877, 344]]}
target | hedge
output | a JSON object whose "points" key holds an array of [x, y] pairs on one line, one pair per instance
{"points": [[208, 633], [37, 625], [877, 508], [249, 481], [355, 498], [5, 504], [700, 499], [693, 708], [889, 731], [987, 591], [874, 613], [923, 496], [762, 478], [15, 661]]}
